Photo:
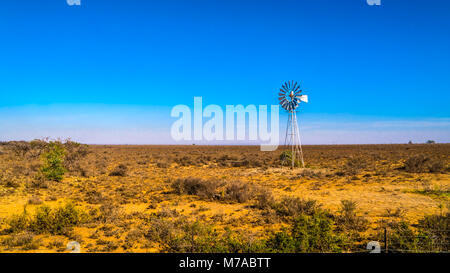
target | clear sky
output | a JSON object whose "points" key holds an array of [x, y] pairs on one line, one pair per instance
{"points": [[110, 71]]}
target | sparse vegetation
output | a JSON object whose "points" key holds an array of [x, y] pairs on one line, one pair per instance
{"points": [[222, 199]]}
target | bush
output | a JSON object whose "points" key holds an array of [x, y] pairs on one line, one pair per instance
{"points": [[235, 191], [238, 192], [196, 186], [295, 206], [435, 231], [264, 199], [423, 164], [53, 168], [18, 222], [46, 220], [400, 237], [120, 170], [432, 234], [286, 159], [348, 220], [20, 148], [23, 239], [308, 233]]}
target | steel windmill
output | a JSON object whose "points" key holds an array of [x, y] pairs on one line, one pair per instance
{"points": [[290, 98]]}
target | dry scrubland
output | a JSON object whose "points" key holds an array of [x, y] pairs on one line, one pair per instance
{"points": [[223, 198]]}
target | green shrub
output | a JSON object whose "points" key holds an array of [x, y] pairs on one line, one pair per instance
{"points": [[46, 220], [282, 241], [53, 168], [238, 242], [286, 159], [58, 220], [401, 237], [18, 222], [308, 233], [434, 231]]}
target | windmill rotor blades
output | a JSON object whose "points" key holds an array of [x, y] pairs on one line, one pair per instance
{"points": [[287, 101]]}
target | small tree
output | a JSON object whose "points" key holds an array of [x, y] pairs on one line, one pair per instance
{"points": [[53, 168]]}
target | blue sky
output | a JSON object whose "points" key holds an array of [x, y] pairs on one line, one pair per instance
{"points": [[110, 71]]}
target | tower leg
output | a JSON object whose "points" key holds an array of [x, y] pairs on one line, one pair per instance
{"points": [[293, 156], [293, 132], [299, 142]]}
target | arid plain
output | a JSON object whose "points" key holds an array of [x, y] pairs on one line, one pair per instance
{"points": [[224, 198]]}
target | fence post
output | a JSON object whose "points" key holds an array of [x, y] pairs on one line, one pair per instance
{"points": [[386, 244]]}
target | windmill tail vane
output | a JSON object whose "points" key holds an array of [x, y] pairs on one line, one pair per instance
{"points": [[290, 99]]}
